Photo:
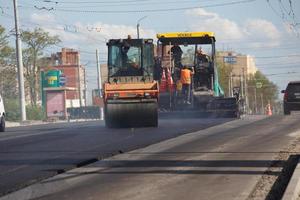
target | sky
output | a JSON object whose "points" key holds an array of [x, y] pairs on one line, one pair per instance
{"points": [[268, 30]]}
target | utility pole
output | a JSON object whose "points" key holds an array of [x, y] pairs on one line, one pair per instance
{"points": [[242, 85], [138, 31], [98, 72], [99, 83], [246, 90], [85, 87], [262, 103], [20, 64], [231, 84], [255, 99], [138, 26], [79, 86]]}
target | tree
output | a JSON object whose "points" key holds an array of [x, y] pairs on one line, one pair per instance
{"points": [[8, 78], [224, 72], [36, 42], [268, 93]]}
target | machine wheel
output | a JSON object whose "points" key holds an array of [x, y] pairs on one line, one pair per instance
{"points": [[2, 124], [131, 114]]}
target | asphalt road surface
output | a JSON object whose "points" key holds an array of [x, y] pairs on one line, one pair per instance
{"points": [[32, 153], [226, 161]]}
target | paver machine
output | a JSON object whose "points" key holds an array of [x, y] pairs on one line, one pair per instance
{"points": [[130, 93], [206, 93]]}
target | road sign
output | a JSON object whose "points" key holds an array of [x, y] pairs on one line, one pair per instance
{"points": [[230, 59], [259, 84], [62, 80]]}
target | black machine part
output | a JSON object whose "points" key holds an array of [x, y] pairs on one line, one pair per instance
{"points": [[131, 113]]}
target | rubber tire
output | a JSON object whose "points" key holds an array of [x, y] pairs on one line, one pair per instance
{"points": [[2, 124]]}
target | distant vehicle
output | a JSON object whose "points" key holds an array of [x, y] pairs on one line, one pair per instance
{"points": [[2, 115], [291, 101]]}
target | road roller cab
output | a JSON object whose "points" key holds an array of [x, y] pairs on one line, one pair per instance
{"points": [[130, 93]]}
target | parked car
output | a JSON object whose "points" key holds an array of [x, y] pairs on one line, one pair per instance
{"points": [[2, 115], [291, 100]]}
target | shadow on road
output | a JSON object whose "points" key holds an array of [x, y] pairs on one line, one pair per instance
{"points": [[195, 167]]}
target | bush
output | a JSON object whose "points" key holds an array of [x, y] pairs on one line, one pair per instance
{"points": [[12, 109], [34, 113]]}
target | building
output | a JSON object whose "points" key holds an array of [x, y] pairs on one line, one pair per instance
{"points": [[242, 67], [240, 63], [104, 73], [68, 62]]}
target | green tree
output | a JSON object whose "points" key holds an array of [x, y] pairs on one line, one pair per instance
{"points": [[8, 72], [268, 93], [36, 42], [224, 71]]}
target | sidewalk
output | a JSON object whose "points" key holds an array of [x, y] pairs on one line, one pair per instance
{"points": [[39, 122]]}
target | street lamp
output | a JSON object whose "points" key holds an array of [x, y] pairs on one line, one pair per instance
{"points": [[19, 64], [138, 26]]}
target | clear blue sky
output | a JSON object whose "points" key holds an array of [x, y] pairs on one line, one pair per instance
{"points": [[259, 28]]}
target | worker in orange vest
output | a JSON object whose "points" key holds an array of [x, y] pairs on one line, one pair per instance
{"points": [[186, 79]]}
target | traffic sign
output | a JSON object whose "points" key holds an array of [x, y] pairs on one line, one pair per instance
{"points": [[62, 80]]}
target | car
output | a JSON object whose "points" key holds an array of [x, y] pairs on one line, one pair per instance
{"points": [[2, 115], [291, 99]]}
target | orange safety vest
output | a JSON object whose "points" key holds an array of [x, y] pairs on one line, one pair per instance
{"points": [[185, 76]]}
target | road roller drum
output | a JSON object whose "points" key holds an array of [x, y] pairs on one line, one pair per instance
{"points": [[139, 113]]}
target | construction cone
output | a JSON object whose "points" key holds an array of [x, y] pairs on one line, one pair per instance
{"points": [[170, 81], [269, 110], [163, 82]]}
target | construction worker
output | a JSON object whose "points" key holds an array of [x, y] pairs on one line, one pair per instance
{"points": [[203, 77], [127, 65], [177, 53], [186, 80], [201, 56]]}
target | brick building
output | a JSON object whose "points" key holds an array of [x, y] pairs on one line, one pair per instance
{"points": [[68, 61]]}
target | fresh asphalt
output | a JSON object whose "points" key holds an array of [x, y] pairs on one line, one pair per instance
{"points": [[29, 154], [222, 162]]}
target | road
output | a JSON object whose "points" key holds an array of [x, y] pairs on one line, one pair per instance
{"points": [[228, 161], [32, 153]]}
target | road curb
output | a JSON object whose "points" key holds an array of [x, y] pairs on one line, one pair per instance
{"points": [[293, 189], [34, 123]]}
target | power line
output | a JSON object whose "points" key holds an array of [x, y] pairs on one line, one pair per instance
{"points": [[88, 2], [59, 29], [153, 10], [285, 73], [282, 56], [281, 15], [281, 63], [126, 4], [264, 48], [119, 2], [282, 67]]}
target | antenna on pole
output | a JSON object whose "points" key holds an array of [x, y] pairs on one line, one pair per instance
{"points": [[138, 26]]}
